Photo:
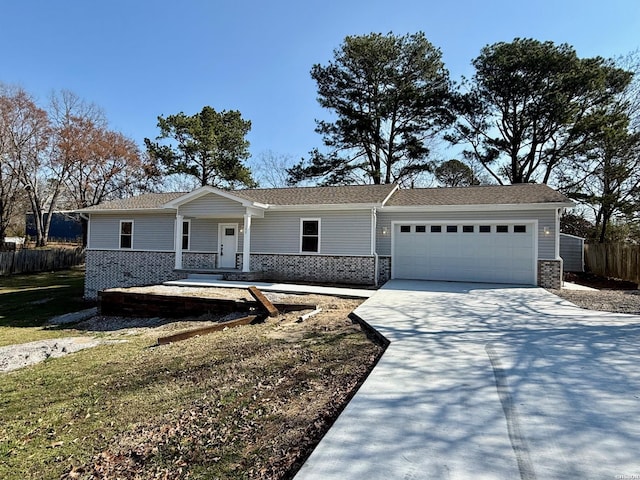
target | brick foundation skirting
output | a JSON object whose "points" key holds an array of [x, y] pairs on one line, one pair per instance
{"points": [[384, 270], [199, 261], [121, 268], [313, 268], [550, 274]]}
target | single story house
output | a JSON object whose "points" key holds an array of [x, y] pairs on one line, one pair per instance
{"points": [[363, 234]]}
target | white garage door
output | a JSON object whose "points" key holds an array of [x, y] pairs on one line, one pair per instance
{"points": [[466, 252]]}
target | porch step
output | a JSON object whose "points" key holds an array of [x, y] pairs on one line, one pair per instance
{"points": [[204, 277]]}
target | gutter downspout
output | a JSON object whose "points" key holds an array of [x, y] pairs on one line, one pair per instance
{"points": [[557, 242], [558, 257], [374, 227]]}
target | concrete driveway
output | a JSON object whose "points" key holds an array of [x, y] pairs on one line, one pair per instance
{"points": [[489, 381]]}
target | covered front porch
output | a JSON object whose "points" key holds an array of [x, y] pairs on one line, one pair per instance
{"points": [[213, 232]]}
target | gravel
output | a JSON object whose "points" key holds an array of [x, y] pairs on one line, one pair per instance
{"points": [[14, 357], [617, 301]]}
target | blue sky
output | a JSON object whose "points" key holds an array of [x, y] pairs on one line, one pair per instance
{"points": [[140, 59]]}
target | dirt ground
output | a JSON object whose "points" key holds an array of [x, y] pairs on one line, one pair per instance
{"points": [[313, 415], [612, 295], [17, 356], [601, 283], [277, 387]]}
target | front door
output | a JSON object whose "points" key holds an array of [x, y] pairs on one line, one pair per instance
{"points": [[227, 245]]}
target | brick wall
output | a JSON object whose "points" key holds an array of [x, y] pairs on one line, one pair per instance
{"points": [[550, 274], [313, 268], [120, 268], [199, 261], [384, 270]]}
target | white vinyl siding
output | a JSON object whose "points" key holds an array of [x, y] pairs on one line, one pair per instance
{"points": [[546, 218], [212, 206], [150, 232], [204, 235], [341, 232]]}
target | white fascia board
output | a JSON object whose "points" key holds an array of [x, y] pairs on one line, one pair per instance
{"points": [[124, 210], [200, 192], [474, 208], [255, 212], [331, 206]]}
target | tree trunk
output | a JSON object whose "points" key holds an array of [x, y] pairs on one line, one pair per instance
{"points": [[606, 217]]}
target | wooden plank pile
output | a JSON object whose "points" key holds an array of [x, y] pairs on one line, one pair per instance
{"points": [[265, 308]]}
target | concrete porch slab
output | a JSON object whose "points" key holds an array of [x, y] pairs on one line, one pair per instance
{"points": [[277, 287]]}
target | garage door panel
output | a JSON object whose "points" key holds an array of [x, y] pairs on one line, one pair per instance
{"points": [[501, 257]]}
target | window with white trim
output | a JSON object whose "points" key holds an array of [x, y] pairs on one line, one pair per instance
{"points": [[186, 234], [310, 235], [126, 234]]}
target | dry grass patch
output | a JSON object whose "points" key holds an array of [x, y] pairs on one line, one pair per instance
{"points": [[249, 402]]}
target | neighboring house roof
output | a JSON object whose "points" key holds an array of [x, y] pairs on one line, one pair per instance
{"points": [[527, 193], [374, 195]]}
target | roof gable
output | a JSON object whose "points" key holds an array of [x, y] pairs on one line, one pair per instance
{"points": [[202, 191]]}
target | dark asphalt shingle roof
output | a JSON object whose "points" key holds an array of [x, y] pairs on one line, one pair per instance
{"points": [[363, 194], [144, 201], [528, 193]]}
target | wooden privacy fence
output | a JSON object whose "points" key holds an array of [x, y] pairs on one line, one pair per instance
{"points": [[30, 261], [615, 260]]}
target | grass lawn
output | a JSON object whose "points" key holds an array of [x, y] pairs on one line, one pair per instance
{"points": [[246, 403], [28, 301]]}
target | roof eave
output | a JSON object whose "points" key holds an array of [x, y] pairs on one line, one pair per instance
{"points": [[87, 211], [478, 207], [327, 206]]}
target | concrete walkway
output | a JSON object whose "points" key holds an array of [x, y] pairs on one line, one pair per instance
{"points": [[276, 287], [489, 382], [576, 286]]}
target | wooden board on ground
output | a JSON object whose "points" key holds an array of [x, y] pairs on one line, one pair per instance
{"points": [[205, 330], [263, 301]]}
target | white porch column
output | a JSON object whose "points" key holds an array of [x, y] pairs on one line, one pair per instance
{"points": [[246, 244], [178, 241]]}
